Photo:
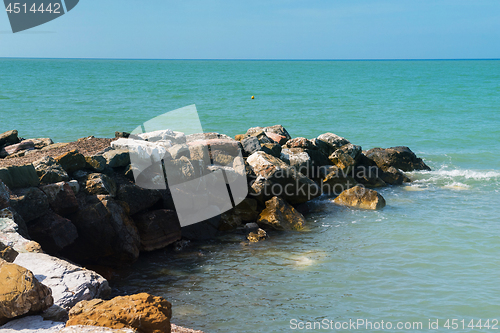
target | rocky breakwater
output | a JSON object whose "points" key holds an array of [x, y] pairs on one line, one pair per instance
{"points": [[82, 201]]}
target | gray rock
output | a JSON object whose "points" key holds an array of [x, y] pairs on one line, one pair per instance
{"points": [[61, 198], [117, 158], [251, 145], [333, 141], [19, 176], [49, 171], [70, 284], [207, 136], [41, 142], [9, 232], [95, 329], [179, 150], [398, 157], [4, 195], [32, 324]]}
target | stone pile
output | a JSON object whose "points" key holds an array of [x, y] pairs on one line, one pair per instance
{"points": [[88, 208]]}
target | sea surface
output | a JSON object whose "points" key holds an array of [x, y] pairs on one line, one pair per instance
{"points": [[433, 253]]}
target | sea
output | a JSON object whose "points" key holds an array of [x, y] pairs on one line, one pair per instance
{"points": [[429, 261]]}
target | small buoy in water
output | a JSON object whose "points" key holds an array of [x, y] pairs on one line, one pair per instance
{"points": [[253, 97]]}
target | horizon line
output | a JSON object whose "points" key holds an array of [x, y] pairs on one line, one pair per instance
{"points": [[243, 59]]}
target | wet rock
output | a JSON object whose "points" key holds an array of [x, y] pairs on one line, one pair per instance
{"points": [[98, 183], [137, 198], [146, 313], [8, 138], [19, 176], [247, 210], [337, 181], [7, 253], [31, 324], [157, 228], [15, 148], [369, 176], [52, 232], [229, 221], [279, 179], [61, 198], [361, 197], [71, 161], [21, 293], [49, 171], [257, 236], [393, 176], [30, 203], [117, 158], [96, 162], [106, 234], [203, 230], [69, 283], [398, 157], [280, 215]]}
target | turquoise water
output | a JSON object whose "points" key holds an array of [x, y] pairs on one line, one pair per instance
{"points": [[432, 253]]}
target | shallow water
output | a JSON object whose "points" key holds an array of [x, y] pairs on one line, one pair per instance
{"points": [[432, 253]]}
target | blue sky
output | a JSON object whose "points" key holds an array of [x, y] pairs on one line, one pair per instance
{"points": [[271, 29]]}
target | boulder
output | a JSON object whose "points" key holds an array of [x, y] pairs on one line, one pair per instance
{"points": [[273, 149], [7, 253], [144, 312], [398, 157], [19, 176], [299, 143], [71, 161], [360, 197], [250, 145], [207, 136], [21, 293], [31, 324], [55, 146], [203, 230], [96, 162], [122, 134], [337, 181], [106, 234], [94, 329], [164, 135], [10, 233], [393, 176], [342, 160], [137, 198], [41, 142], [279, 179], [179, 150], [116, 158], [8, 138], [229, 221], [257, 236], [247, 210], [157, 228], [98, 183], [30, 203], [61, 198], [333, 142], [49, 171], [369, 176], [52, 232], [297, 158], [279, 215], [279, 139], [15, 148], [69, 283], [279, 130], [276, 133]]}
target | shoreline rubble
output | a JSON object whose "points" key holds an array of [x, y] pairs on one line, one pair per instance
{"points": [[63, 205]]}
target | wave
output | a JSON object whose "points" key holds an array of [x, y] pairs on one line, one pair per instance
{"points": [[456, 178]]}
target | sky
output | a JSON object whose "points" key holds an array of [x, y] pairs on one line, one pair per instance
{"points": [[270, 29]]}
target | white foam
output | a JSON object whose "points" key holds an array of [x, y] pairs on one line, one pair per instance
{"points": [[467, 174]]}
